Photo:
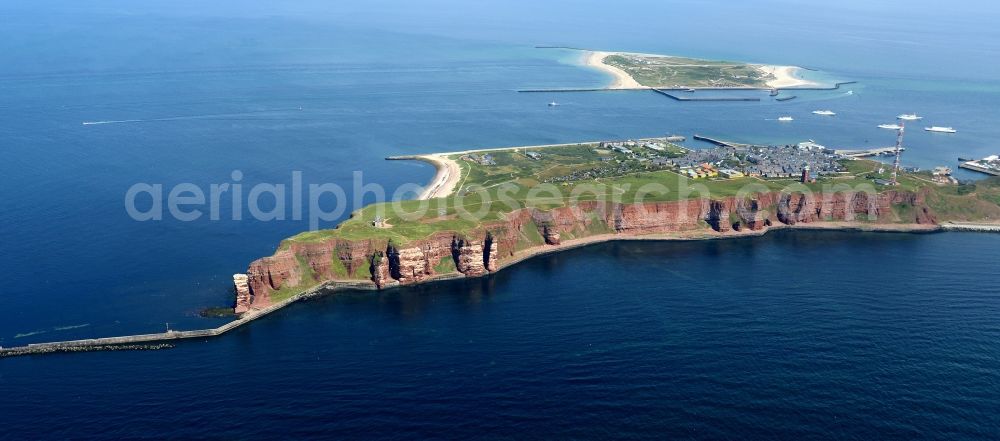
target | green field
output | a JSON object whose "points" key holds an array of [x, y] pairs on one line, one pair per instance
{"points": [[678, 72]]}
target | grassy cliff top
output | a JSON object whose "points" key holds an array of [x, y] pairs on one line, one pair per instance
{"points": [[507, 180]]}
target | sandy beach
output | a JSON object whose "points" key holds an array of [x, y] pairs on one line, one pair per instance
{"points": [[622, 80], [449, 173], [445, 180], [785, 77]]}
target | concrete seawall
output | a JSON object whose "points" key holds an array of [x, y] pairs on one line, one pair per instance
{"points": [[599, 89], [962, 226], [141, 341], [719, 142], [680, 98], [968, 165], [660, 90]]}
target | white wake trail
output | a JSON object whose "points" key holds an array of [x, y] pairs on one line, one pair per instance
{"points": [[181, 118], [122, 121]]}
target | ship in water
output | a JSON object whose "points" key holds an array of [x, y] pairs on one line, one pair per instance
{"points": [[938, 129], [909, 117], [786, 119], [890, 126], [824, 112], [553, 104], [989, 165]]}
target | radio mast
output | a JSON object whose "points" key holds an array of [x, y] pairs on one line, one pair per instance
{"points": [[899, 149]]}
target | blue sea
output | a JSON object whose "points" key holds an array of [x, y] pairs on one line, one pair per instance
{"points": [[795, 335]]}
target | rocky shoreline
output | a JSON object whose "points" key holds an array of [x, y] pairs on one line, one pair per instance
{"points": [[332, 287], [527, 231], [307, 269]]}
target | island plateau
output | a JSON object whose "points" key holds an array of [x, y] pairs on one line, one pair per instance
{"points": [[644, 71], [487, 209]]}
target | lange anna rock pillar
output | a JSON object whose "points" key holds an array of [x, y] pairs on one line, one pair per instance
{"points": [[243, 297]]}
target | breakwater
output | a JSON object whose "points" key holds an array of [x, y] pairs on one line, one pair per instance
{"points": [[972, 227], [571, 48], [972, 165], [718, 98], [719, 142], [53, 349], [836, 86], [158, 340], [562, 90]]}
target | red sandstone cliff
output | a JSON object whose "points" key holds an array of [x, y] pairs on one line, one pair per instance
{"points": [[479, 252]]}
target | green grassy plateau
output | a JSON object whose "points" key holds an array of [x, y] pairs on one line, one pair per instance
{"points": [[671, 72], [584, 172]]}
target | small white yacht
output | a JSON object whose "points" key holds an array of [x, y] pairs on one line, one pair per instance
{"points": [[938, 129], [553, 104], [786, 119], [824, 112], [890, 126], [909, 117]]}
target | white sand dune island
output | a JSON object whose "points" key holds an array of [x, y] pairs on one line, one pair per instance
{"points": [[643, 71]]}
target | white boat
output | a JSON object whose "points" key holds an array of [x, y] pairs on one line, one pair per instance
{"points": [[553, 104], [890, 126], [786, 118], [824, 112], [938, 129], [909, 117]]}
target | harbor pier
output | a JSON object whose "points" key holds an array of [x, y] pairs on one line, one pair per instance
{"points": [[861, 153]]}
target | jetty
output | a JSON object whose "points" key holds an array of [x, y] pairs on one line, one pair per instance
{"points": [[562, 90], [542, 46], [862, 153], [720, 142], [717, 98], [158, 340], [835, 86], [973, 227], [666, 91], [981, 166]]}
